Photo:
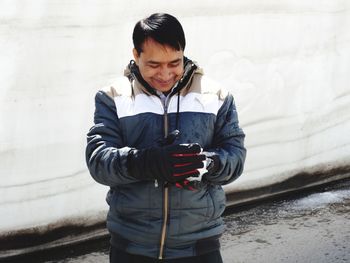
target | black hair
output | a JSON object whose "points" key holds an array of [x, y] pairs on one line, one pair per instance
{"points": [[163, 28]]}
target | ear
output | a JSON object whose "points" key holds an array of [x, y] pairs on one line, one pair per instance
{"points": [[136, 55]]}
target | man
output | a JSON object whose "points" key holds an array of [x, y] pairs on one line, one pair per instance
{"points": [[164, 144]]}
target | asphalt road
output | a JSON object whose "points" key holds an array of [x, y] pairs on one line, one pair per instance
{"points": [[312, 228]]}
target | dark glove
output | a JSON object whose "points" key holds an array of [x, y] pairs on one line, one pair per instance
{"points": [[213, 163], [188, 185], [171, 163], [212, 166]]}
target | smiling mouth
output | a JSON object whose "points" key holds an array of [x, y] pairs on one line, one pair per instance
{"points": [[162, 82]]}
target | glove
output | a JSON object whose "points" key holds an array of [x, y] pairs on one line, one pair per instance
{"points": [[212, 163], [187, 185], [171, 163]]}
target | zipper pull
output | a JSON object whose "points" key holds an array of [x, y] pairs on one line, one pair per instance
{"points": [[156, 183]]}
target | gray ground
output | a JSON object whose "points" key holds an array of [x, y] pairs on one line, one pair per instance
{"points": [[312, 228], [315, 228]]}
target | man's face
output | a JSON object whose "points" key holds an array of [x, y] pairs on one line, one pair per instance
{"points": [[160, 66]]}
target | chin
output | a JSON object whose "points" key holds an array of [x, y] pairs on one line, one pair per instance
{"points": [[163, 88]]}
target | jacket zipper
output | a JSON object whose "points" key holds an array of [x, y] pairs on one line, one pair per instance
{"points": [[165, 102], [165, 221]]}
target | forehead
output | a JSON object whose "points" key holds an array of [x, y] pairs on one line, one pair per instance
{"points": [[152, 50]]}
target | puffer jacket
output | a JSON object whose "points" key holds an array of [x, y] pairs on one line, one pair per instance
{"points": [[152, 218]]}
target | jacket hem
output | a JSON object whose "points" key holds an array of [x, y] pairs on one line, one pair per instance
{"points": [[200, 247]]}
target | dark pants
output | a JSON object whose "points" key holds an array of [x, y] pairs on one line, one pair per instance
{"points": [[119, 256]]}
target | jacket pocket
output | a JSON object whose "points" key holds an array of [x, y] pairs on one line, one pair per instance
{"points": [[218, 198], [114, 201], [110, 196]]}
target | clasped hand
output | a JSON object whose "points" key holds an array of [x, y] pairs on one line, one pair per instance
{"points": [[170, 163]]}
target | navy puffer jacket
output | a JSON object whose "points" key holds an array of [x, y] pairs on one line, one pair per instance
{"points": [[151, 218]]}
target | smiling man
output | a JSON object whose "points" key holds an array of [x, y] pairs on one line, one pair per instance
{"points": [[164, 144]]}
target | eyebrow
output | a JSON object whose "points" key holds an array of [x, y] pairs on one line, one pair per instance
{"points": [[171, 62]]}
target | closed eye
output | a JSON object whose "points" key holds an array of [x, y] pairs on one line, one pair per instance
{"points": [[175, 64], [153, 66]]}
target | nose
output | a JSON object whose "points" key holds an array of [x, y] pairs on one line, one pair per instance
{"points": [[165, 72]]}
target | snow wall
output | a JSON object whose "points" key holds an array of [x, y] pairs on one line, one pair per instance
{"points": [[286, 62]]}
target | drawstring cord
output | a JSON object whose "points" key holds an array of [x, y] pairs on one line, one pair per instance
{"points": [[178, 111]]}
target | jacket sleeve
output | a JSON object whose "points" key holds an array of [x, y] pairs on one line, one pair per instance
{"points": [[228, 145], [106, 156]]}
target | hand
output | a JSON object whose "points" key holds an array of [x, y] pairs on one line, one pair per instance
{"points": [[171, 163], [211, 166], [187, 185]]}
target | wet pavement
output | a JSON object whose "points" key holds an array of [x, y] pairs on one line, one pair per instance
{"points": [[315, 227], [303, 227]]}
